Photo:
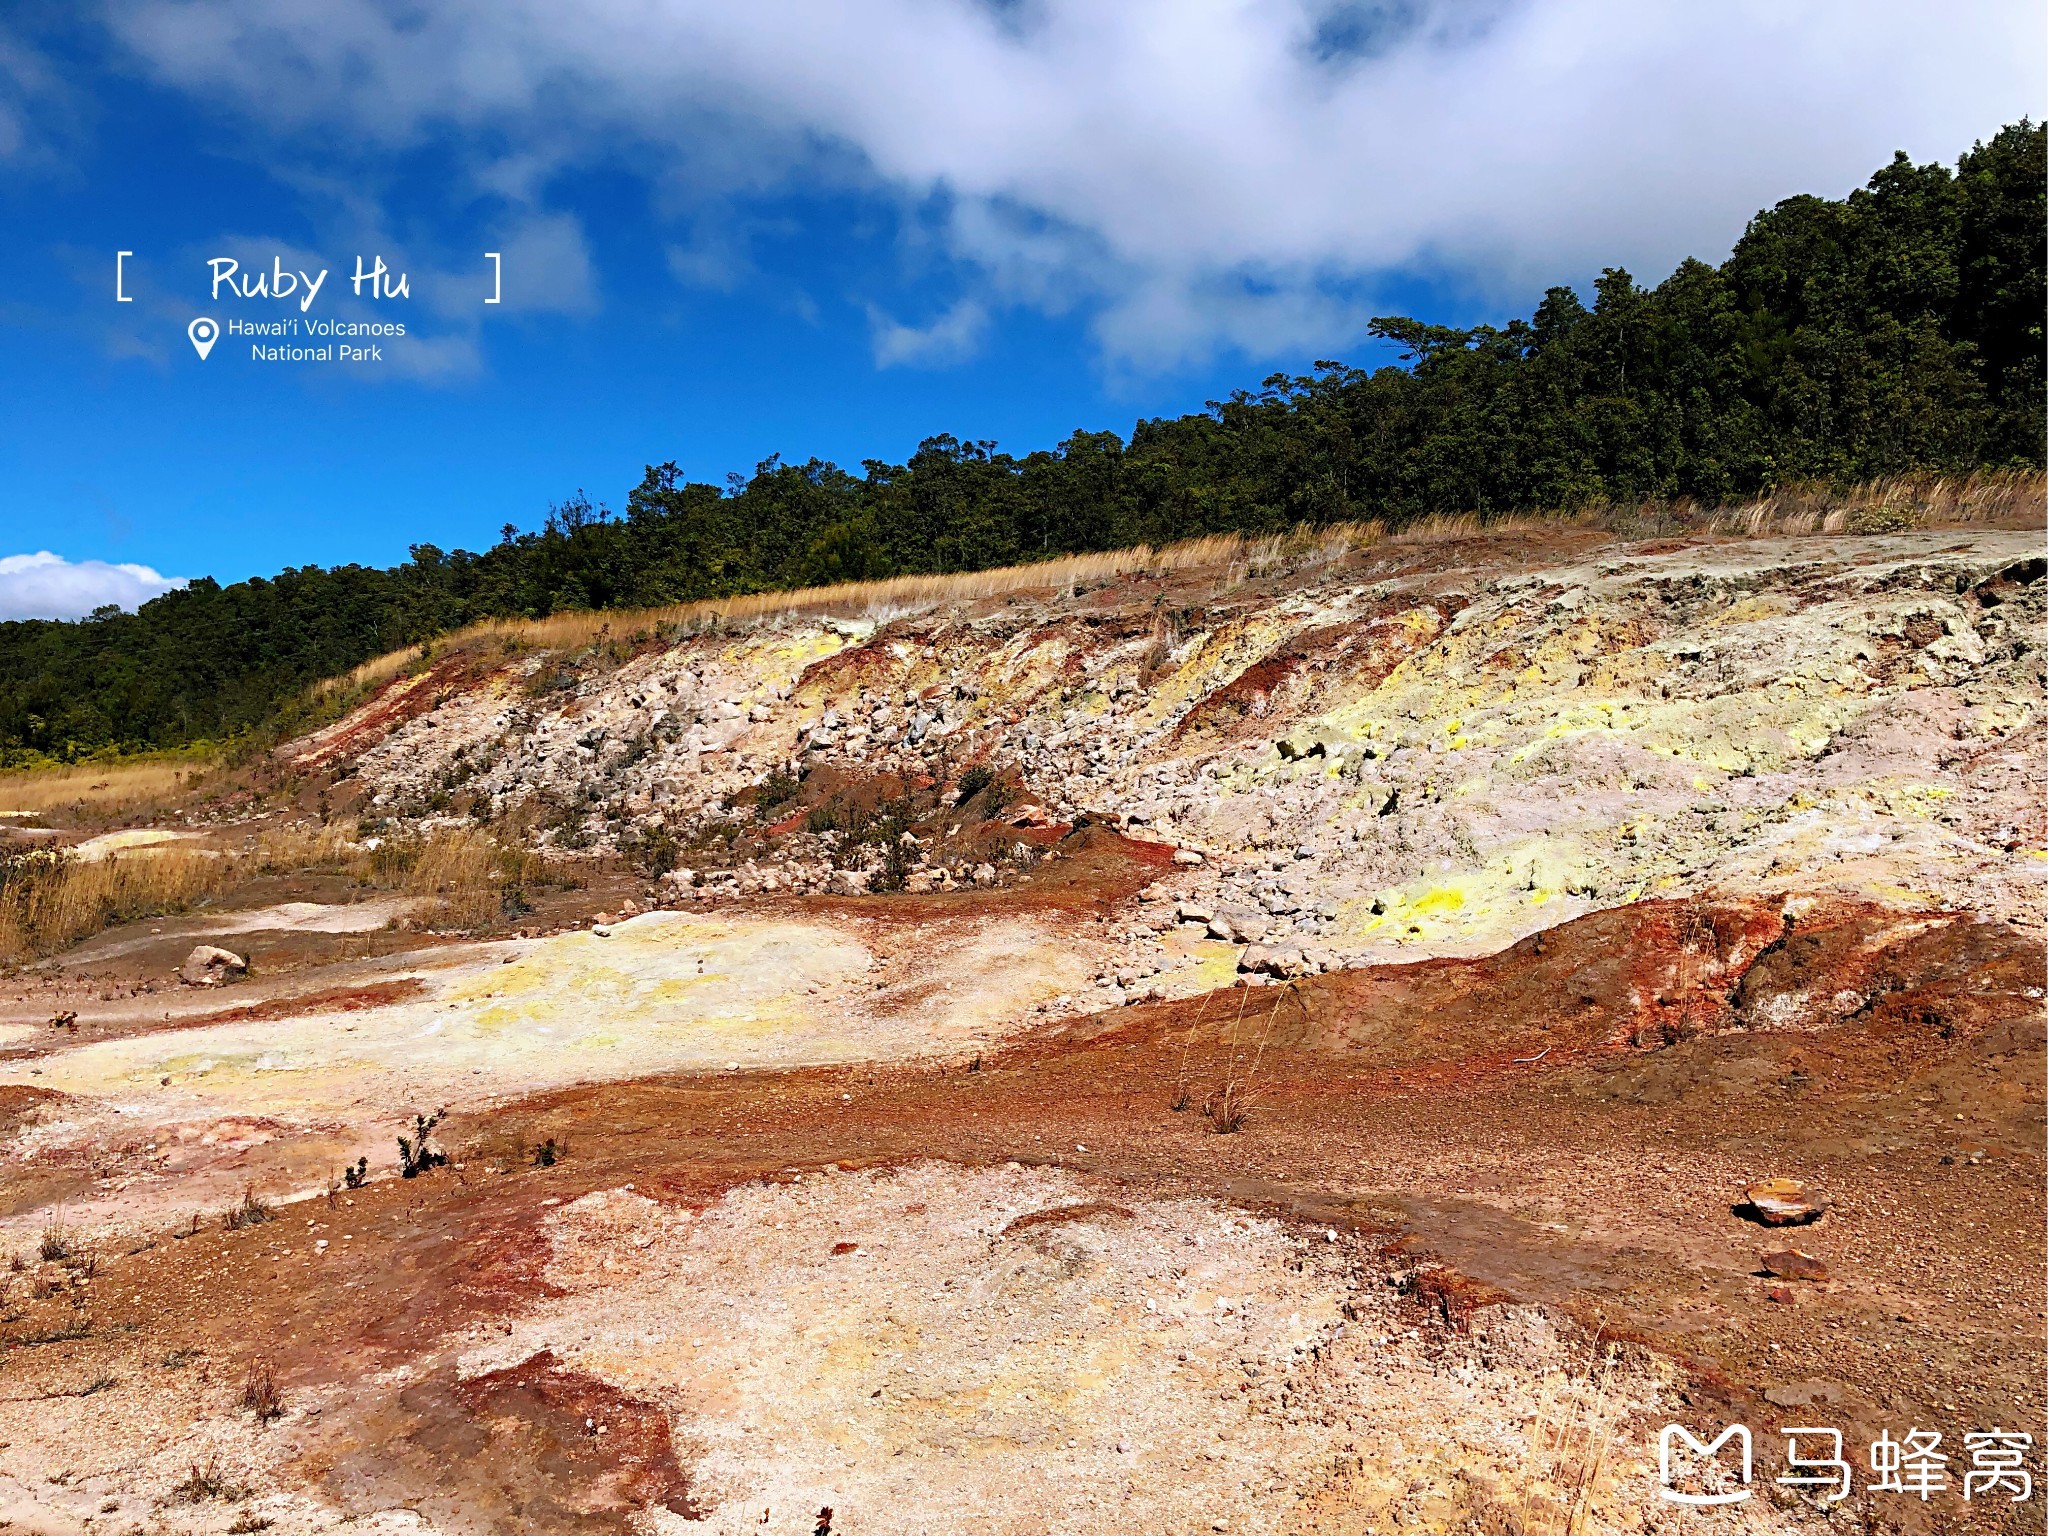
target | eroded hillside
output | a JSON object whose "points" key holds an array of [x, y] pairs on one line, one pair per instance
{"points": [[1278, 1044], [1391, 756]]}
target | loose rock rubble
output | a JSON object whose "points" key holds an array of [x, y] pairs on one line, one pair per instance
{"points": [[1387, 760]]}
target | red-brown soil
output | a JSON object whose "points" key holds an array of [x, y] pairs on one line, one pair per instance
{"points": [[1570, 1121]]}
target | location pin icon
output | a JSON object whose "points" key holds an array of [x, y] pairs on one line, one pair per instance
{"points": [[204, 334]]}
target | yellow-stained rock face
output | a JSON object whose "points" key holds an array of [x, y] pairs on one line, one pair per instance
{"points": [[1479, 752]]}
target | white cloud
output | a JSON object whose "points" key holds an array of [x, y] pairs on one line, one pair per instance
{"points": [[546, 263], [952, 336], [47, 586], [1199, 171], [38, 116]]}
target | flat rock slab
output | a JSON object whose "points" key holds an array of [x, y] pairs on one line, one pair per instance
{"points": [[1783, 1203], [1791, 1264]]}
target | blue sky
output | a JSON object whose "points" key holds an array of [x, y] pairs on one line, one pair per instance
{"points": [[802, 227]]}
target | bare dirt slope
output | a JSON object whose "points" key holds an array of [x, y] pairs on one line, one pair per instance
{"points": [[1257, 1049]]}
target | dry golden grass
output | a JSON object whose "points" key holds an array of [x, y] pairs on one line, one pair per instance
{"points": [[1442, 528], [878, 600], [309, 846], [1989, 499], [101, 787], [464, 879], [1566, 1475], [2009, 498], [49, 902], [458, 876], [1993, 498]]}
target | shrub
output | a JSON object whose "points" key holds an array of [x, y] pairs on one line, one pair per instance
{"points": [[895, 870], [779, 788], [973, 782], [654, 851], [415, 1153]]}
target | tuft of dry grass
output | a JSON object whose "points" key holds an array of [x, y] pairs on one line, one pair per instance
{"points": [[1566, 1464], [307, 846], [252, 1211], [465, 878], [206, 1482], [50, 900], [260, 1395], [99, 787], [1231, 1105]]}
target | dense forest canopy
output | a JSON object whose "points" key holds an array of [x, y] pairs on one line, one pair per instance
{"points": [[1899, 328]]}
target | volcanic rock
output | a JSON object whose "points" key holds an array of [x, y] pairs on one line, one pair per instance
{"points": [[210, 966], [1791, 1264]]}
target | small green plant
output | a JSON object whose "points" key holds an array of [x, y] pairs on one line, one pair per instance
{"points": [[57, 1244], [653, 851], [358, 1176], [416, 1154], [895, 870], [551, 677], [77, 1326], [550, 1152], [779, 788], [973, 782]]}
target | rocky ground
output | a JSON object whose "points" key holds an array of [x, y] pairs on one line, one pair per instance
{"points": [[1257, 1049]]}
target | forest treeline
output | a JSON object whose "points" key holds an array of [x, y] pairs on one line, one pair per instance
{"points": [[1899, 328]]}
